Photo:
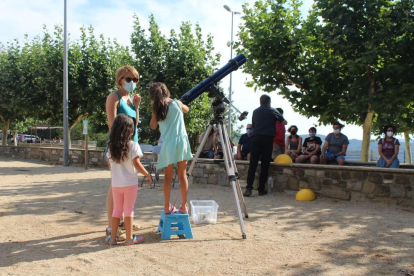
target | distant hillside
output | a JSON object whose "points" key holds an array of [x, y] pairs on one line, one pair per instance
{"points": [[355, 144]]}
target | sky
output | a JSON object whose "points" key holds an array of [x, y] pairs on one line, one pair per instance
{"points": [[114, 19]]}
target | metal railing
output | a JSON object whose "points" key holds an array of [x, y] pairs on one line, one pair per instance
{"points": [[355, 155]]}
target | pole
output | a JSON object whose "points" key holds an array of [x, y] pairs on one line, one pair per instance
{"points": [[231, 57], [65, 91], [86, 151]]}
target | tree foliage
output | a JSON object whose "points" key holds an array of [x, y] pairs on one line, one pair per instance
{"points": [[181, 62], [341, 62]]}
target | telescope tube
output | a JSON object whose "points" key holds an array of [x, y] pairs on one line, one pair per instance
{"points": [[206, 84]]}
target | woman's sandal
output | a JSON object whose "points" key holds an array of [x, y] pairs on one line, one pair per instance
{"points": [[182, 210], [108, 241], [135, 240], [172, 210], [119, 235]]}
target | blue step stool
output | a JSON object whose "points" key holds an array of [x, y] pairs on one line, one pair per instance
{"points": [[175, 220]]}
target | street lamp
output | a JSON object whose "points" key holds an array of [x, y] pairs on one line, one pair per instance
{"points": [[231, 57]]}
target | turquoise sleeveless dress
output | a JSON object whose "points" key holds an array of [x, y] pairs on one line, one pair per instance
{"points": [[175, 145], [124, 108]]}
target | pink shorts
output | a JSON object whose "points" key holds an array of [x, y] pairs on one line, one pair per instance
{"points": [[124, 201]]}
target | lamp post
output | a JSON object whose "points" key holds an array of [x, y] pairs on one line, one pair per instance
{"points": [[65, 91], [231, 57]]}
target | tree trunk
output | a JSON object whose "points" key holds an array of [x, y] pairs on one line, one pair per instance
{"points": [[366, 136], [6, 124], [407, 146], [367, 126]]}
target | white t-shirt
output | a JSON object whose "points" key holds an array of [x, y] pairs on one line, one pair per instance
{"points": [[125, 174]]}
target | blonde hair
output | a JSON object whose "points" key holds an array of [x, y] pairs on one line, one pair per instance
{"points": [[122, 71]]}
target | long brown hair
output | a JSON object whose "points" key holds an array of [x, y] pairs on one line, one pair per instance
{"points": [[158, 93], [122, 131]]}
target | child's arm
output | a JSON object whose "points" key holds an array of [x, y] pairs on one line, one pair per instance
{"points": [[154, 122], [184, 108], [141, 169]]}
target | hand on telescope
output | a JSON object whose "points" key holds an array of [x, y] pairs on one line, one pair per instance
{"points": [[137, 100]]}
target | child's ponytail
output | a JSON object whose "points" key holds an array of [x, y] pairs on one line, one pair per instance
{"points": [[158, 93]]}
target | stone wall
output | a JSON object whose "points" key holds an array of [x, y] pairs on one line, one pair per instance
{"points": [[357, 181]]}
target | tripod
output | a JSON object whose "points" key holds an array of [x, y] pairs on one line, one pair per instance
{"points": [[230, 164]]}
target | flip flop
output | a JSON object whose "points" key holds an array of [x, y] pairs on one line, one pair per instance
{"points": [[172, 210], [108, 241], [135, 240], [182, 210]]}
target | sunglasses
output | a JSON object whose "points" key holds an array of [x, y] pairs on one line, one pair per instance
{"points": [[128, 79], [248, 128]]}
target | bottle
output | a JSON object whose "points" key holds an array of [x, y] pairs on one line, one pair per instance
{"points": [[270, 185]]}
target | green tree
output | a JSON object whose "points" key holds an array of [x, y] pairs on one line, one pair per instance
{"points": [[336, 64], [181, 62]]}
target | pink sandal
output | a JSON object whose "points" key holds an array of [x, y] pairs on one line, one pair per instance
{"points": [[135, 240], [172, 210], [182, 210]]}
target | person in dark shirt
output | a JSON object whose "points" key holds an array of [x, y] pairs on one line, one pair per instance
{"points": [[311, 148], [263, 122], [245, 143]]}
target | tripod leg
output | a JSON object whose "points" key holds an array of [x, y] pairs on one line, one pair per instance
{"points": [[200, 147], [230, 170], [241, 198], [232, 163]]}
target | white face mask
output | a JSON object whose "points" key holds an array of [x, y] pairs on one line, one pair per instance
{"points": [[389, 133], [130, 86], [336, 131]]}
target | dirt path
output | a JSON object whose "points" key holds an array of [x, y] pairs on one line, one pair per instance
{"points": [[52, 221]]}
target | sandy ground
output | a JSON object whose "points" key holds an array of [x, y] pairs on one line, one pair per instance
{"points": [[52, 221]]}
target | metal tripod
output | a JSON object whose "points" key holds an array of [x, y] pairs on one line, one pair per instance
{"points": [[230, 164]]}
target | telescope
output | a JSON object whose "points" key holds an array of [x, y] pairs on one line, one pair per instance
{"points": [[210, 84], [212, 80]]}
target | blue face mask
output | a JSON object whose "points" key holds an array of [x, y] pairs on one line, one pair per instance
{"points": [[130, 86], [311, 134], [249, 131]]}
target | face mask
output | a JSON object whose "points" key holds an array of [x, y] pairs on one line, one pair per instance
{"points": [[293, 132], [130, 86], [336, 131], [249, 131], [389, 133], [312, 134]]}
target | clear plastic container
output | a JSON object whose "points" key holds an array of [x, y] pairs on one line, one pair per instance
{"points": [[204, 211]]}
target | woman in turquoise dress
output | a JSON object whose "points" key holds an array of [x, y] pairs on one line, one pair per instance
{"points": [[168, 114], [121, 102]]}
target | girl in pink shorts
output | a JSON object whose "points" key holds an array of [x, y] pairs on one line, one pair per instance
{"points": [[123, 155]]}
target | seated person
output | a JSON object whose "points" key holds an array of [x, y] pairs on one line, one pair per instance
{"points": [[293, 143], [208, 149], [335, 146], [218, 151], [244, 146], [311, 148], [388, 149]]}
